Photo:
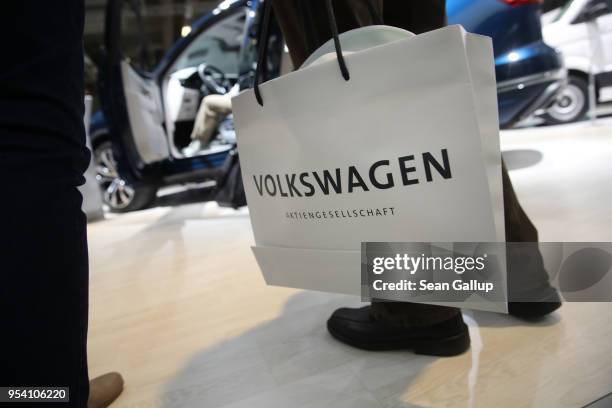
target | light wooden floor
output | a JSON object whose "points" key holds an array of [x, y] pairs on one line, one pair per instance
{"points": [[179, 308]]}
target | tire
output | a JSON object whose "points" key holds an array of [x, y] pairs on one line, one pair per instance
{"points": [[119, 195], [572, 103]]}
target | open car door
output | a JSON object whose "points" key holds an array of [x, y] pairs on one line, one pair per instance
{"points": [[131, 97]]}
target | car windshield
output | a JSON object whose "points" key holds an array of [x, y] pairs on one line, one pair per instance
{"points": [[218, 45], [149, 28], [563, 10]]}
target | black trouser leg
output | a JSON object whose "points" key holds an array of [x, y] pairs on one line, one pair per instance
{"points": [[43, 246], [43, 289]]}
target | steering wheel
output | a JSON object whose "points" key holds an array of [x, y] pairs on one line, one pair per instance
{"points": [[213, 78]]}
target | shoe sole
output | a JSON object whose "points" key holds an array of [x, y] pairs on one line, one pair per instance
{"points": [[442, 347]]}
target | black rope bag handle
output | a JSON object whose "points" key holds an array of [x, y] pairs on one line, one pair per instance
{"points": [[264, 36]]}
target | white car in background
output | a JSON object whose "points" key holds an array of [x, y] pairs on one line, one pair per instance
{"points": [[582, 31]]}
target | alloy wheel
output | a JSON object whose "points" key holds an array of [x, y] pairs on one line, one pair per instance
{"points": [[116, 192], [569, 105]]}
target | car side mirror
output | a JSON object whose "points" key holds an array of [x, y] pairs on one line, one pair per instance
{"points": [[594, 10]]}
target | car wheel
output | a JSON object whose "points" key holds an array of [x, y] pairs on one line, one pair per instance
{"points": [[119, 195], [572, 103]]}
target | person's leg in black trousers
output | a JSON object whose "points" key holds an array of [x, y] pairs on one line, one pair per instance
{"points": [[43, 243], [395, 324]]}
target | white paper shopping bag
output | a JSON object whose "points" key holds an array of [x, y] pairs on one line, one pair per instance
{"points": [[405, 150]]}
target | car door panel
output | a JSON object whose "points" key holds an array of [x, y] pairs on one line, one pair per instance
{"points": [[145, 115], [605, 27]]}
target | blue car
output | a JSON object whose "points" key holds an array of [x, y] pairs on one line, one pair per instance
{"points": [[148, 113], [529, 73]]}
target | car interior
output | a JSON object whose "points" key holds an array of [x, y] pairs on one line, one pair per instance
{"points": [[162, 120], [209, 65]]}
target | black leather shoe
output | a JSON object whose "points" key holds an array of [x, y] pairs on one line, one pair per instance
{"points": [[548, 301], [357, 328], [532, 310]]}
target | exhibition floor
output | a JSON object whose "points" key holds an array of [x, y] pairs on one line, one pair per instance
{"points": [[179, 308]]}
